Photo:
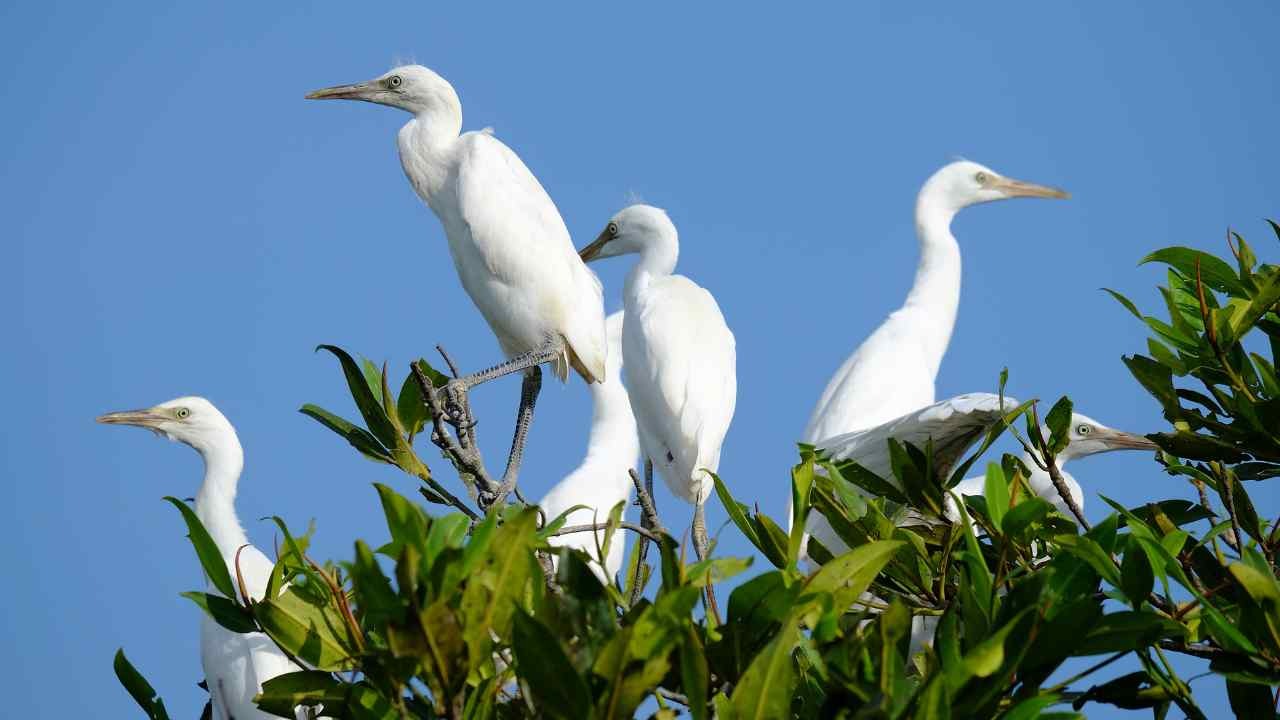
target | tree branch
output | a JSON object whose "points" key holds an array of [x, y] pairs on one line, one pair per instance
{"points": [[637, 529]]}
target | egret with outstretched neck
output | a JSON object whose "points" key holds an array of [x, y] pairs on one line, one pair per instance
{"points": [[893, 371], [603, 479], [679, 358], [235, 665], [509, 245]]}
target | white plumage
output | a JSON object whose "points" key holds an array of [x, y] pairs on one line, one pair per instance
{"points": [[602, 480], [679, 356], [893, 371], [508, 242], [235, 665], [953, 424]]}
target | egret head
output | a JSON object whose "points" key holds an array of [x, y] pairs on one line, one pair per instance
{"points": [[1090, 437], [412, 88], [190, 420], [964, 183], [630, 231]]}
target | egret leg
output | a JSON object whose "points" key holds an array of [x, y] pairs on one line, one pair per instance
{"points": [[648, 520], [702, 545], [454, 393], [529, 389]]}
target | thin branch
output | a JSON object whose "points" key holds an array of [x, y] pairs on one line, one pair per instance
{"points": [[1064, 492], [1211, 333], [637, 529], [1228, 492], [467, 460]]}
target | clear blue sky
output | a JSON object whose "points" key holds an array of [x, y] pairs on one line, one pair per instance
{"points": [[178, 220]]}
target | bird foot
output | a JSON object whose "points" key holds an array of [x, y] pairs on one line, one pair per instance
{"points": [[457, 408]]}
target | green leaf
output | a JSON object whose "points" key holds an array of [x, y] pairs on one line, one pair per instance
{"points": [[411, 407], [802, 478], [139, 688], [1089, 551], [375, 416], [849, 575], [225, 612], [406, 521], [496, 587], [1213, 271], [358, 437], [988, 655], [737, 511], [215, 568], [312, 633], [1059, 423], [765, 689], [1136, 577], [1249, 700], [997, 494], [1127, 630], [694, 673], [1030, 510], [558, 690], [1126, 302], [282, 694]]}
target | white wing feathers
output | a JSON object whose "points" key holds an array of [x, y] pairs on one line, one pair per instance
{"points": [[953, 424], [505, 206], [680, 364]]}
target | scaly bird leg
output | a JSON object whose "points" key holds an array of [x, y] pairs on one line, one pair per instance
{"points": [[529, 389], [702, 546], [454, 394]]}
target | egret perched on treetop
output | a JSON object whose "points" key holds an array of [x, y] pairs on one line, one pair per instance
{"points": [[235, 665], [603, 479], [893, 371], [509, 244], [678, 357]]}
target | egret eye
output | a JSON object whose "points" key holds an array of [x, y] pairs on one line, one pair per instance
{"points": [[981, 177], [613, 228], [1084, 429], [182, 413], [394, 81]]}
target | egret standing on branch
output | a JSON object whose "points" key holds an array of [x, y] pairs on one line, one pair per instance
{"points": [[678, 358], [603, 479], [235, 665], [893, 371], [509, 244]]}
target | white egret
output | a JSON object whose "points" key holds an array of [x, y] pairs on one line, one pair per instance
{"points": [[678, 358], [954, 425], [602, 480], [893, 371], [509, 244], [235, 665], [1086, 437]]}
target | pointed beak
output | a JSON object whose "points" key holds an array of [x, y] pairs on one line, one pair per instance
{"points": [[1018, 188], [148, 418], [591, 251], [1121, 440], [358, 91]]}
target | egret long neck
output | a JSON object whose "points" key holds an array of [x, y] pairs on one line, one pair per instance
{"points": [[935, 293], [657, 259], [613, 442], [426, 149], [215, 501]]}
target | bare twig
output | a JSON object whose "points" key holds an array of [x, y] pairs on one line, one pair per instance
{"points": [[1228, 492], [637, 529], [466, 459], [1055, 475], [1211, 334]]}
